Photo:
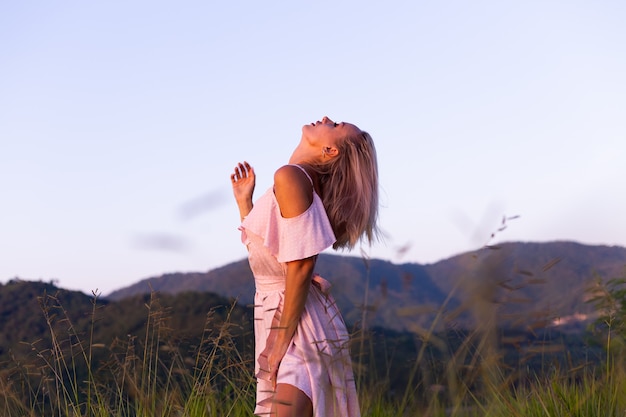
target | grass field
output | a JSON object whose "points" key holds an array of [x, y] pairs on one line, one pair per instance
{"points": [[155, 376]]}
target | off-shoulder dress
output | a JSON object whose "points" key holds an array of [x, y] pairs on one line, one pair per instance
{"points": [[317, 360]]}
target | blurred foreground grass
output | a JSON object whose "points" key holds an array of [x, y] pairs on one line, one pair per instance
{"points": [[465, 375]]}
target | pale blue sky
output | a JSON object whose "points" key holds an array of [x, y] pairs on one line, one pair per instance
{"points": [[120, 123]]}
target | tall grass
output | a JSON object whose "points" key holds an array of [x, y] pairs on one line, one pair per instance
{"points": [[451, 373], [470, 377], [148, 377]]}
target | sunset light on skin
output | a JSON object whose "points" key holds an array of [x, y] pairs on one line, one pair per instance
{"points": [[120, 124]]}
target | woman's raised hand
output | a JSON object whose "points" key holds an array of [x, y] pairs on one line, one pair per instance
{"points": [[243, 181]]}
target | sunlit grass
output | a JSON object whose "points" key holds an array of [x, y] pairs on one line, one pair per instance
{"points": [[450, 374]]}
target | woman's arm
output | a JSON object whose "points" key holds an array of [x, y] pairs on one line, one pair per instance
{"points": [[294, 194], [243, 181], [299, 275]]}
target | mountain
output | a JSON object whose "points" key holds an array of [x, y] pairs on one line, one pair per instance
{"points": [[32, 312], [58, 345], [523, 285], [43, 327], [233, 280]]}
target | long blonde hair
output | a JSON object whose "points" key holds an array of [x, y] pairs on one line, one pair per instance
{"points": [[349, 190]]}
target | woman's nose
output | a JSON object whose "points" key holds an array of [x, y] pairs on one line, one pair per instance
{"points": [[325, 119]]}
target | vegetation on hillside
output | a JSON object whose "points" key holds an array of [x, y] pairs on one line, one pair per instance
{"points": [[475, 335], [67, 354], [530, 282]]}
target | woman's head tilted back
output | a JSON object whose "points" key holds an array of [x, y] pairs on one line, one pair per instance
{"points": [[348, 171]]}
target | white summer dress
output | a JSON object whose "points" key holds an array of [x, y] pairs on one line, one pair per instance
{"points": [[317, 360]]}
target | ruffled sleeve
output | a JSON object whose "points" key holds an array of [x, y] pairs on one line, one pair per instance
{"points": [[293, 238]]}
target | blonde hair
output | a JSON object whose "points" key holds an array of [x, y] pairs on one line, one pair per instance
{"points": [[349, 190]]}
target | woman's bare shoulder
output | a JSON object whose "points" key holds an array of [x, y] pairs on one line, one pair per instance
{"points": [[293, 190], [291, 173]]}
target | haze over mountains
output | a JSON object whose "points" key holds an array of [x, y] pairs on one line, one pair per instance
{"points": [[523, 285]]}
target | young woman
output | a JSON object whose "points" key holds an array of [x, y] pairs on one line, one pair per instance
{"points": [[326, 196]]}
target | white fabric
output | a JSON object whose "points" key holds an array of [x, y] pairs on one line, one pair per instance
{"points": [[291, 238]]}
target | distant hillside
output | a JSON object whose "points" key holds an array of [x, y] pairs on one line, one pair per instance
{"points": [[51, 337], [520, 284], [22, 320], [48, 332], [31, 312], [233, 280]]}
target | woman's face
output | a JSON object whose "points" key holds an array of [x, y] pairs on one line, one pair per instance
{"points": [[319, 140], [327, 133]]}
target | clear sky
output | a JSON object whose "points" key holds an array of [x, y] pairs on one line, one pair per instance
{"points": [[121, 121]]}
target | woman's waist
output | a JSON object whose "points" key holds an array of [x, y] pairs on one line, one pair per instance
{"points": [[269, 283], [274, 283]]}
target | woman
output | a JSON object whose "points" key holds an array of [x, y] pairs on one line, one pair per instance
{"points": [[326, 196]]}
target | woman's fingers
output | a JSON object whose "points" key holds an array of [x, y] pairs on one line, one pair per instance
{"points": [[243, 170], [274, 375]]}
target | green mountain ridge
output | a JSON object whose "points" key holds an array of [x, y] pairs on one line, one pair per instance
{"points": [[32, 312], [521, 284], [517, 288]]}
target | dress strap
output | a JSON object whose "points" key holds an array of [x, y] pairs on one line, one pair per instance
{"points": [[305, 173]]}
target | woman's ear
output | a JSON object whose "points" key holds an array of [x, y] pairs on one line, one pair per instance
{"points": [[331, 151]]}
